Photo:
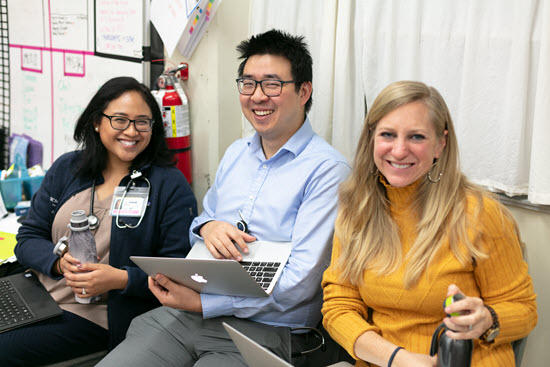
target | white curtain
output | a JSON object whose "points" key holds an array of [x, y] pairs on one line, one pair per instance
{"points": [[329, 29], [490, 59]]}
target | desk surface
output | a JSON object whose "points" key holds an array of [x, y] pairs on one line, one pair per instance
{"points": [[10, 224]]}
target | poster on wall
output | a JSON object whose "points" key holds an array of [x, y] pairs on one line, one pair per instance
{"points": [[182, 23], [56, 65]]}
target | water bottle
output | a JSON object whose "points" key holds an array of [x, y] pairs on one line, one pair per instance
{"points": [[82, 244], [451, 352]]}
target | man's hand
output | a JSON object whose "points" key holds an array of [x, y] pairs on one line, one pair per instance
{"points": [[173, 295], [220, 238]]}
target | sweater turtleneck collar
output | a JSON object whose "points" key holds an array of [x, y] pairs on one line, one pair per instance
{"points": [[400, 197]]}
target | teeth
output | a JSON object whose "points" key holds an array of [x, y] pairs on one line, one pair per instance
{"points": [[263, 113], [126, 142], [400, 165]]}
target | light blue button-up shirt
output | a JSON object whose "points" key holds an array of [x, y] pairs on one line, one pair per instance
{"points": [[293, 197]]}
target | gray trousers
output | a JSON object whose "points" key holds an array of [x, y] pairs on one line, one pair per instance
{"points": [[169, 337]]}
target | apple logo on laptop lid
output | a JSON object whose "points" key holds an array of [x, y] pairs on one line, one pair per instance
{"points": [[198, 278]]}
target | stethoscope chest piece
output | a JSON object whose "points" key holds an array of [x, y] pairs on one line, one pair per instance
{"points": [[93, 221], [242, 225]]}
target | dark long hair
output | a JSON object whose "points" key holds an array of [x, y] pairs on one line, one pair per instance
{"points": [[94, 154]]}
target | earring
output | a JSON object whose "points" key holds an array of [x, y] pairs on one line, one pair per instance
{"points": [[375, 172], [96, 129], [430, 174]]}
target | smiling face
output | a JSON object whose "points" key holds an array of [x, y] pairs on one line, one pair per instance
{"points": [[406, 143], [123, 146], [275, 119]]}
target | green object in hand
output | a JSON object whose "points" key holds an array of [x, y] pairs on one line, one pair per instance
{"points": [[451, 299]]}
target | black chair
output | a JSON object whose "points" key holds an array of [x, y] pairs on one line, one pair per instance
{"points": [[519, 348], [327, 355]]}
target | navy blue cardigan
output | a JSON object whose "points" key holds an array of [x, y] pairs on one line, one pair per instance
{"points": [[164, 231]]}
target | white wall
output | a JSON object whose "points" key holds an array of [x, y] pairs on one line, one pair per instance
{"points": [[535, 232], [216, 121], [215, 111]]}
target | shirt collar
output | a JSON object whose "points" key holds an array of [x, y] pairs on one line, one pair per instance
{"points": [[296, 144]]}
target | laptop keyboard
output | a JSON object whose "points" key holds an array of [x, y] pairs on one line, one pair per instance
{"points": [[12, 308], [262, 272]]}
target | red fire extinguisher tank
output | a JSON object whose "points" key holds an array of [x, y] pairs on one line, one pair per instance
{"points": [[175, 116]]}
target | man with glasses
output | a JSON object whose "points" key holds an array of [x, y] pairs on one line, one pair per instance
{"points": [[279, 185]]}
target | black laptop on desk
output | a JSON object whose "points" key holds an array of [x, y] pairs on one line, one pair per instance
{"points": [[23, 301]]}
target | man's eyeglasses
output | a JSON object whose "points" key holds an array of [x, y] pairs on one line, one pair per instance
{"points": [[270, 87], [122, 123]]}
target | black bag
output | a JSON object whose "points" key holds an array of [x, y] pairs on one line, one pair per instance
{"points": [[450, 352], [11, 268]]}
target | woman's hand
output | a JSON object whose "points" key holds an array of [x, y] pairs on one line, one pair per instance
{"points": [[474, 317], [373, 348], [67, 263], [411, 359], [94, 279]]}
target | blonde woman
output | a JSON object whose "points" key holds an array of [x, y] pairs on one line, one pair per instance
{"points": [[411, 230]]}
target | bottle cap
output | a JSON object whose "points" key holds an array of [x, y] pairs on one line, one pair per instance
{"points": [[79, 221], [451, 299]]}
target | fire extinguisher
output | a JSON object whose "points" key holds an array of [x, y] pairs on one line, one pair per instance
{"points": [[174, 108]]}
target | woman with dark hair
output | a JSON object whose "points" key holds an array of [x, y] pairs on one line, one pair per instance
{"points": [[122, 150], [411, 230]]}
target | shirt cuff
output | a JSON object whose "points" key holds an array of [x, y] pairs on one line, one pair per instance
{"points": [[214, 305], [195, 232]]}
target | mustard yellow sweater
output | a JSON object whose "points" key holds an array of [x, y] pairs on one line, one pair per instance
{"points": [[408, 317]]}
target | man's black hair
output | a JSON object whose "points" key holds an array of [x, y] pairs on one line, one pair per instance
{"points": [[94, 154], [279, 43]]}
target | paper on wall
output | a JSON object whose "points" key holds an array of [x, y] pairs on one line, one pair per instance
{"points": [[181, 23]]}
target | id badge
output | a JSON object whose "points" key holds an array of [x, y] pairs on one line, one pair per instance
{"points": [[133, 204]]}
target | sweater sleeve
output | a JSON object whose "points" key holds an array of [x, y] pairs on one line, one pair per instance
{"points": [[344, 312], [502, 277], [35, 245]]}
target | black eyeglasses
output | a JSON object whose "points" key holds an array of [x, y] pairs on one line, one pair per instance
{"points": [[270, 87], [122, 123]]}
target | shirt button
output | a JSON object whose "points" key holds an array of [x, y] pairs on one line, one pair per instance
{"points": [[251, 197], [264, 166]]}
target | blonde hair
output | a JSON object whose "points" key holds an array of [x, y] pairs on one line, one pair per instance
{"points": [[369, 236]]}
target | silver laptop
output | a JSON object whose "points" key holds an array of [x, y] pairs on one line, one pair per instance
{"points": [[257, 356], [253, 353], [255, 276]]}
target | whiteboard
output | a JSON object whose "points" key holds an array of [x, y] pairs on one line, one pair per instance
{"points": [[118, 28], [55, 65]]}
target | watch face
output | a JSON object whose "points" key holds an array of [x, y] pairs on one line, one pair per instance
{"points": [[492, 335]]}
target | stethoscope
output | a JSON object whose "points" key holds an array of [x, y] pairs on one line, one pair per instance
{"points": [[242, 225], [93, 220]]}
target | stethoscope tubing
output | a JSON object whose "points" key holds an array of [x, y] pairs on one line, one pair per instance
{"points": [[126, 225], [93, 220]]}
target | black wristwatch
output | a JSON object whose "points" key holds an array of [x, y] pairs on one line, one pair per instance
{"points": [[491, 333]]}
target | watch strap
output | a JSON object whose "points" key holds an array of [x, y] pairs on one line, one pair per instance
{"points": [[489, 335]]}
